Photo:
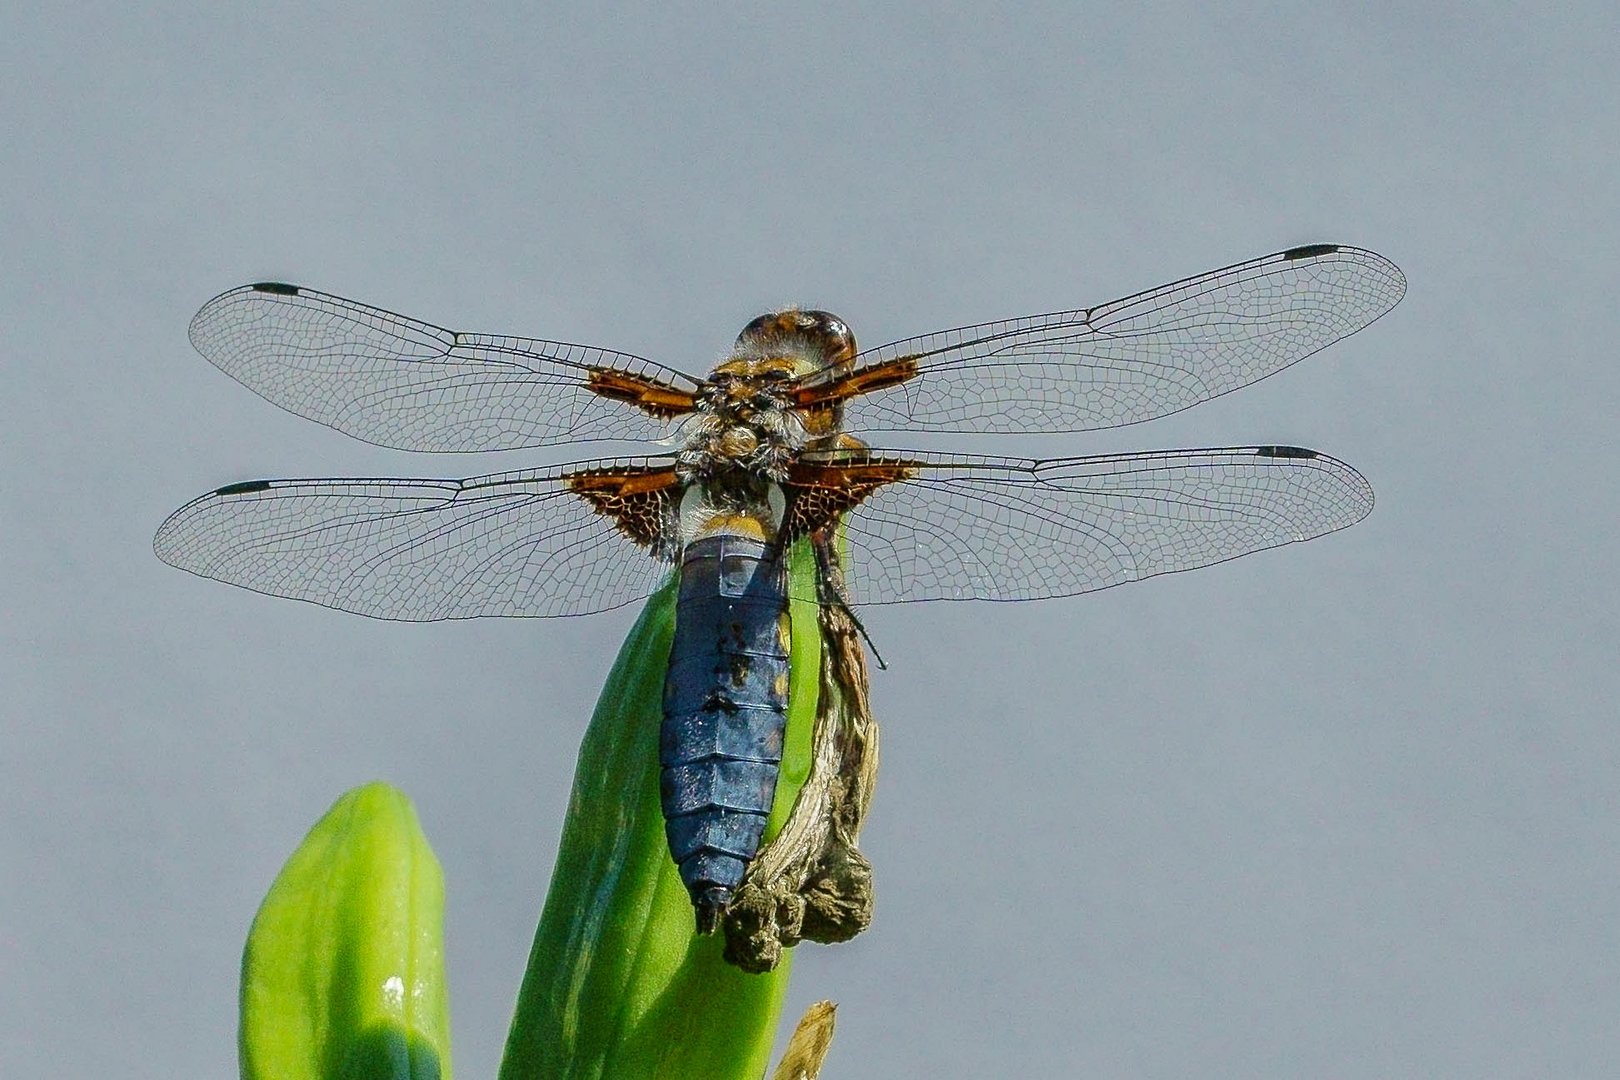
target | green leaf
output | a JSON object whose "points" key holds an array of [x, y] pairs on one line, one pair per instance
{"points": [[619, 986], [343, 974]]}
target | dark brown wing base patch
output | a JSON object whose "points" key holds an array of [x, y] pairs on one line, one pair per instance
{"points": [[860, 381], [640, 500], [649, 395], [819, 493]]}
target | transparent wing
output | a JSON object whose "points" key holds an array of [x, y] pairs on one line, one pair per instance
{"points": [[1134, 359], [517, 543], [401, 382], [980, 528]]}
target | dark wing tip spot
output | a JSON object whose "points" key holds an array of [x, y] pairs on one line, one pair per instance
{"points": [[1309, 251], [244, 488], [1285, 451], [279, 288]]}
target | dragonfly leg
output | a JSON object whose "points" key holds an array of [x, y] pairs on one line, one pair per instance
{"points": [[834, 591]]}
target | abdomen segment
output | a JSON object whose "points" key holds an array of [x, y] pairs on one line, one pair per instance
{"points": [[725, 712]]}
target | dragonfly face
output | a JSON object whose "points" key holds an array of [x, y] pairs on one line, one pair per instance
{"points": [[765, 456]]}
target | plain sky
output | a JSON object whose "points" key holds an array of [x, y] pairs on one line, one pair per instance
{"points": [[1344, 809]]}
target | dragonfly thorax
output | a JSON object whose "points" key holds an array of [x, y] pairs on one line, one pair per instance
{"points": [[744, 423], [746, 418]]}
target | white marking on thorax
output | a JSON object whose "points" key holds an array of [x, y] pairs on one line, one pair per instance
{"points": [[700, 517]]}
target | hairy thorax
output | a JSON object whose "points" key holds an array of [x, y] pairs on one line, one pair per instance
{"points": [[743, 423], [737, 446], [747, 421]]}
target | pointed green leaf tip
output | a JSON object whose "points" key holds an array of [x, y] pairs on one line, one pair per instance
{"points": [[619, 985], [343, 975]]}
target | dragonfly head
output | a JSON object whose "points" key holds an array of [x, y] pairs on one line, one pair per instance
{"points": [[812, 339]]}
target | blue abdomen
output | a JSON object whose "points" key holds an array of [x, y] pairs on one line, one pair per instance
{"points": [[725, 712]]}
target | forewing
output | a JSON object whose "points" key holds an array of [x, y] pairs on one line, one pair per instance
{"points": [[957, 527], [401, 382], [517, 543], [1134, 359]]}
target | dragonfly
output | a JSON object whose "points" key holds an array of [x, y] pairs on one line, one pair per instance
{"points": [[765, 453]]}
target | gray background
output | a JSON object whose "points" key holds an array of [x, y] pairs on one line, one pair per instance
{"points": [[1346, 809]]}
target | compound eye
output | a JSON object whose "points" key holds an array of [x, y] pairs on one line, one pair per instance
{"points": [[759, 326], [830, 328], [824, 321]]}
